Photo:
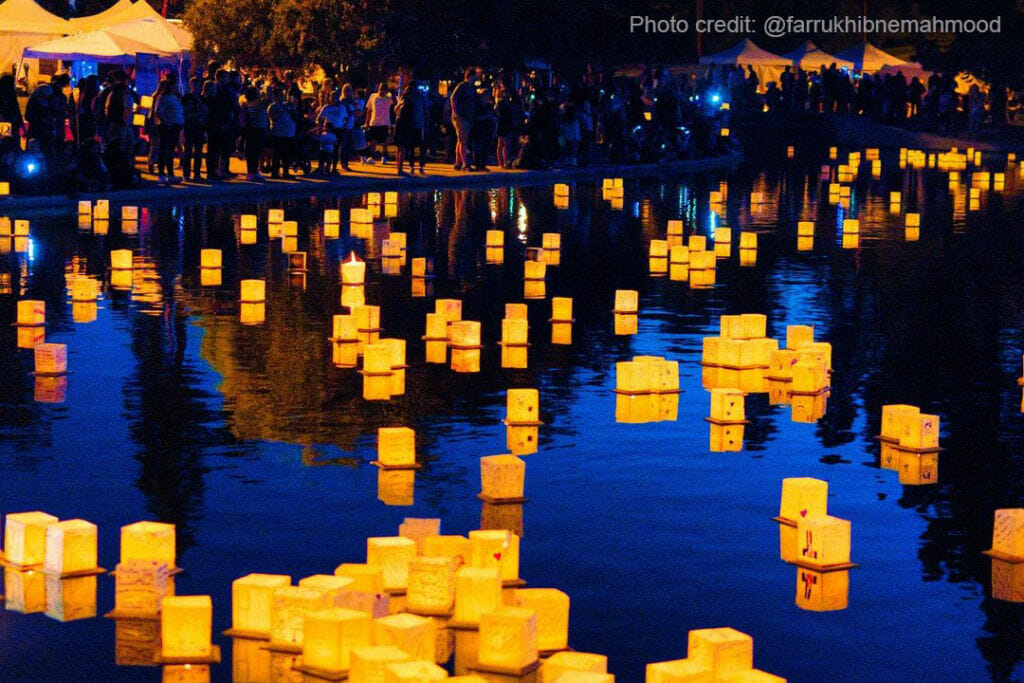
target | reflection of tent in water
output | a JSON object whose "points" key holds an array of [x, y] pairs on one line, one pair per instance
{"points": [[767, 65], [810, 57]]}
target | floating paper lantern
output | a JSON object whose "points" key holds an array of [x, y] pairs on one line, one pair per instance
{"points": [[501, 478], [824, 542], [331, 584], [803, 497], [148, 541], [253, 291], [563, 662], [799, 336], [534, 270], [448, 546], [367, 578], [514, 333], [368, 326], [1007, 535], [396, 447], [449, 309], [919, 431], [522, 407], [893, 417], [185, 627], [330, 635], [431, 586], [748, 240], [289, 607], [369, 664], [140, 587], [477, 591], [496, 548], [508, 640], [410, 633], [465, 345], [697, 243], [50, 359], [495, 239], [129, 213], [561, 190], [808, 376], [396, 355], [423, 267], [84, 207], [101, 209], [25, 535], [552, 608], [678, 670], [31, 313], [727, 406], [376, 371], [247, 221], [70, 548], [252, 602], [392, 554], [275, 216], [720, 650], [436, 338]]}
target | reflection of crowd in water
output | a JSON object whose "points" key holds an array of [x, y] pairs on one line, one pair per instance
{"points": [[890, 97]]}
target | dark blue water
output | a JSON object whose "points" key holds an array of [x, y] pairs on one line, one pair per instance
{"points": [[258, 449]]}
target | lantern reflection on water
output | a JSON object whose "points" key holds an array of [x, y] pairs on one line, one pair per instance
{"points": [[822, 591], [185, 629]]}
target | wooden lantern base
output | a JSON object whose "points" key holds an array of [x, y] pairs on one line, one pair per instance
{"points": [[1003, 556], [506, 670], [324, 674], [826, 568], [245, 634], [501, 501], [95, 571]]}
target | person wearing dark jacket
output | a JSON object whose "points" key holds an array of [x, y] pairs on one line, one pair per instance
{"points": [[196, 113]]}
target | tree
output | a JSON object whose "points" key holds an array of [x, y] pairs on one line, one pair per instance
{"points": [[230, 29]]}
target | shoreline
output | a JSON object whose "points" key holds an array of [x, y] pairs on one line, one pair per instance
{"points": [[364, 179]]}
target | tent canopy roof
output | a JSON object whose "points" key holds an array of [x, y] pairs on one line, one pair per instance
{"points": [[810, 56], [111, 15], [95, 46], [868, 58], [746, 52], [157, 32], [25, 16]]}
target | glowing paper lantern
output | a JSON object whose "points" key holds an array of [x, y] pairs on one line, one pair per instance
{"points": [[51, 359], [562, 662], [824, 541], [721, 650], [477, 590], [368, 578], [501, 478], [465, 345], [1008, 535], [70, 548], [31, 312], [727, 406], [919, 431], [410, 633], [330, 635], [803, 497], [552, 608], [495, 239], [369, 664], [396, 447], [148, 541], [25, 536], [431, 588], [331, 584], [252, 603], [185, 627], [508, 640], [496, 548], [448, 546], [392, 554], [289, 607]]}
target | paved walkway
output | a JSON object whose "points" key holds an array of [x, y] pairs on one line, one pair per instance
{"points": [[361, 178]]}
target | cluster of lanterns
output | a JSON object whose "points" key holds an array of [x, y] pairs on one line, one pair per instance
{"points": [[909, 444]]}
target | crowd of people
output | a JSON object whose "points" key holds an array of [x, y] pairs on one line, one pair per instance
{"points": [[100, 136], [889, 97]]}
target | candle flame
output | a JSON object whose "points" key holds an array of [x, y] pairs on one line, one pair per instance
{"points": [[352, 258]]}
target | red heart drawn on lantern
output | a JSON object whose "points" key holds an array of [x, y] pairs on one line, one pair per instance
{"points": [[803, 513], [497, 556]]}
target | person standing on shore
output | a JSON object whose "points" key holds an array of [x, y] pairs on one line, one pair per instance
{"points": [[410, 127], [196, 113], [378, 120], [170, 117], [255, 126], [464, 105], [282, 135]]}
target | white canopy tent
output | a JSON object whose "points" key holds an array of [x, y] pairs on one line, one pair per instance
{"points": [[23, 23], [767, 65], [95, 46], [810, 57], [157, 32], [868, 59], [119, 13]]}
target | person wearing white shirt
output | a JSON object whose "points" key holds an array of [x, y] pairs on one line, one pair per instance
{"points": [[378, 120]]}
